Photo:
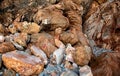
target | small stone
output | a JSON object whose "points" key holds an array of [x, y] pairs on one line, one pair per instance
{"points": [[46, 43], [39, 53], [8, 72], [52, 1], [69, 73], [2, 38], [24, 27], [52, 70], [69, 52], [21, 39], [59, 54], [23, 63], [82, 55], [6, 47], [2, 29], [33, 28], [85, 71], [69, 37]]}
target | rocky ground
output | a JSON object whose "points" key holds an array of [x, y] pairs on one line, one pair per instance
{"points": [[59, 38]]}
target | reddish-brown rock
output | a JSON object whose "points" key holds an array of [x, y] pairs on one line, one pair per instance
{"points": [[23, 63], [46, 43], [6, 47], [107, 64]]}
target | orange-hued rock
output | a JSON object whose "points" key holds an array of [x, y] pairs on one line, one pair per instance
{"points": [[2, 29], [82, 55], [51, 18], [6, 47], [46, 43], [26, 27], [69, 37], [23, 63], [21, 39]]}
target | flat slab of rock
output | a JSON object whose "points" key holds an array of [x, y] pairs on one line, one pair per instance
{"points": [[23, 63]]}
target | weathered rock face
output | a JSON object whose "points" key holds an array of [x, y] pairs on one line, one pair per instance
{"points": [[6, 47], [23, 63], [101, 24]]}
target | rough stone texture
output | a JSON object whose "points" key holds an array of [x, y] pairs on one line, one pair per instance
{"points": [[46, 43], [6, 47], [25, 27], [21, 39], [107, 64], [23, 63], [82, 56], [52, 18]]}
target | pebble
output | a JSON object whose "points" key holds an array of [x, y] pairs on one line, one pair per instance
{"points": [[2, 38], [85, 71], [69, 73], [59, 54]]}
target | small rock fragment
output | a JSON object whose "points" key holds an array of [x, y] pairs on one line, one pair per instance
{"points": [[98, 51], [81, 56], [6, 47], [69, 53], [23, 63], [69, 73], [2, 29], [85, 71], [2, 38], [24, 27], [59, 54], [8, 72], [21, 39], [69, 37], [46, 43], [52, 70], [39, 53]]}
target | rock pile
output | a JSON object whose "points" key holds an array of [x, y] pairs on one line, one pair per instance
{"points": [[59, 37]]}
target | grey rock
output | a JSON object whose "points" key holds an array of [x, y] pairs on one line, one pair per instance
{"points": [[69, 73], [98, 51]]}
